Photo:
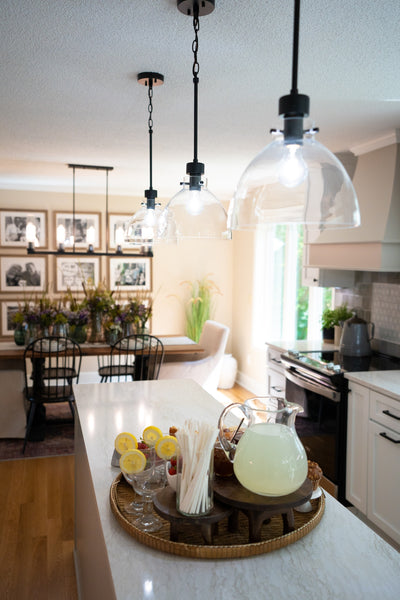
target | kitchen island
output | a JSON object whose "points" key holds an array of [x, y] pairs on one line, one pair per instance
{"points": [[340, 558]]}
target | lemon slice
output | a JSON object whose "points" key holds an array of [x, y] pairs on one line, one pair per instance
{"points": [[125, 441], [167, 447], [151, 435], [133, 461]]}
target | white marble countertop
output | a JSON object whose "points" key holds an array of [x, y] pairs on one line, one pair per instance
{"points": [[341, 558], [302, 345], [386, 382]]}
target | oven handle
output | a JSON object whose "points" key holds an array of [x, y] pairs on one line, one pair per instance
{"points": [[303, 382]]}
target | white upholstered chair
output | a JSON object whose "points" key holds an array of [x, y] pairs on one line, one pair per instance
{"points": [[205, 371]]}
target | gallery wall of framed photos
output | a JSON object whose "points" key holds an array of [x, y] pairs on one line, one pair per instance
{"points": [[25, 276]]}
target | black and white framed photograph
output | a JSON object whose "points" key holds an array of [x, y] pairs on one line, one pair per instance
{"points": [[85, 230], [72, 272], [13, 224], [8, 310], [25, 273], [117, 229], [130, 274]]}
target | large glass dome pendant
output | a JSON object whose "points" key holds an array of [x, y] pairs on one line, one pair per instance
{"points": [[143, 229], [295, 179], [194, 212]]}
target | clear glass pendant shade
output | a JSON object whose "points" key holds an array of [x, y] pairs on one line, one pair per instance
{"points": [[194, 214], [299, 181], [143, 228]]}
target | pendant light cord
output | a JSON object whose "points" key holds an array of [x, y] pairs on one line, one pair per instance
{"points": [[195, 71], [295, 58], [150, 124]]}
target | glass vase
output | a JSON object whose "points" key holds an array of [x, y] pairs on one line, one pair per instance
{"points": [[32, 333], [96, 329], [20, 334], [60, 329], [111, 336], [127, 329], [78, 333]]}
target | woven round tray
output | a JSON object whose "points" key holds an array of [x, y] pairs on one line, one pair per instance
{"points": [[226, 544]]}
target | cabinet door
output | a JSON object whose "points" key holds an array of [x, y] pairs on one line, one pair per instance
{"points": [[357, 446], [384, 479]]}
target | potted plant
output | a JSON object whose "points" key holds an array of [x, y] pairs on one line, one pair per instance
{"points": [[334, 318], [200, 305]]}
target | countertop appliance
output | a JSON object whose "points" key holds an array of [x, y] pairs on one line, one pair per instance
{"points": [[316, 381]]}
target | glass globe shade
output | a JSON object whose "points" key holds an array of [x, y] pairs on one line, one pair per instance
{"points": [[194, 214], [299, 181], [143, 227]]}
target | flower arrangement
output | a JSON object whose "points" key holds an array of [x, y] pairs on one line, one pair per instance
{"points": [[98, 299], [200, 305]]}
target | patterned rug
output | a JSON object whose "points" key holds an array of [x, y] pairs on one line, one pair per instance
{"points": [[59, 437]]}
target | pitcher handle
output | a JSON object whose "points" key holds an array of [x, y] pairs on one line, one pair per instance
{"points": [[229, 446], [372, 331]]}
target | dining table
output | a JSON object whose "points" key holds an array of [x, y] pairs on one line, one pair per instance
{"points": [[340, 558], [12, 400]]}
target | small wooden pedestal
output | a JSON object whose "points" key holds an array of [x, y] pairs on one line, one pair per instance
{"points": [[260, 509], [165, 505]]}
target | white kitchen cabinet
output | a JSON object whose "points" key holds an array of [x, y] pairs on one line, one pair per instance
{"points": [[276, 381], [373, 457], [383, 505], [357, 445]]}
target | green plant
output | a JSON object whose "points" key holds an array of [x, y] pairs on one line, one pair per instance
{"points": [[335, 316], [199, 306]]}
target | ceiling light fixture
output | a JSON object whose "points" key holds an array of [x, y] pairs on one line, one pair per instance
{"points": [[143, 228], [295, 179], [67, 246], [194, 212]]}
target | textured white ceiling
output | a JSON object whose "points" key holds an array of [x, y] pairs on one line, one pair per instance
{"points": [[69, 93]]}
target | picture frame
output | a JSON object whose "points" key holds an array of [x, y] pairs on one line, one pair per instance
{"points": [[72, 271], [8, 310], [128, 274], [23, 274], [13, 224], [82, 222], [115, 220]]}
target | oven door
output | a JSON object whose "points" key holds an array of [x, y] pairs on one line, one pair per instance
{"points": [[322, 424]]}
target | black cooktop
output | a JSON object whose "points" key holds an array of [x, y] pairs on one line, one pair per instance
{"points": [[375, 362]]}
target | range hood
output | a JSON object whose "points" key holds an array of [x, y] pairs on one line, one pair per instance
{"points": [[375, 245]]}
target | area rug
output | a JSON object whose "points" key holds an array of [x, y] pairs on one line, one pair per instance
{"points": [[59, 437]]}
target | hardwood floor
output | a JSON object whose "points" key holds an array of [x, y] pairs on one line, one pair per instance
{"points": [[36, 525]]}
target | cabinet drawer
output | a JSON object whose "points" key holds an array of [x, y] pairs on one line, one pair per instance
{"points": [[274, 358], [276, 383], [385, 410]]}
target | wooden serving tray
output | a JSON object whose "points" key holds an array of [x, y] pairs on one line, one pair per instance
{"points": [[225, 543]]}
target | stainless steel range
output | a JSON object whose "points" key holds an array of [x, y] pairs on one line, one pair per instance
{"points": [[316, 381]]}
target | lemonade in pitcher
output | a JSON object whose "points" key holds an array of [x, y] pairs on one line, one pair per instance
{"points": [[269, 458]]}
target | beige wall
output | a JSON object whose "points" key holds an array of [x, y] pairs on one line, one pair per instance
{"points": [[251, 359], [172, 264]]}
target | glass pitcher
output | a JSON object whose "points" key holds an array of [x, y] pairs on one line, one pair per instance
{"points": [[269, 458]]}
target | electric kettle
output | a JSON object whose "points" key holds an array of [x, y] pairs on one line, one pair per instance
{"points": [[356, 336]]}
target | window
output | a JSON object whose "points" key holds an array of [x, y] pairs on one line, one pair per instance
{"points": [[283, 308]]}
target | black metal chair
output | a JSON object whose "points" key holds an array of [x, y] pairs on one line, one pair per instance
{"points": [[51, 364], [134, 357]]}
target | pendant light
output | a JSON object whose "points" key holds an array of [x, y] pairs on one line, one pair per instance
{"points": [[194, 212], [295, 179], [142, 229]]}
